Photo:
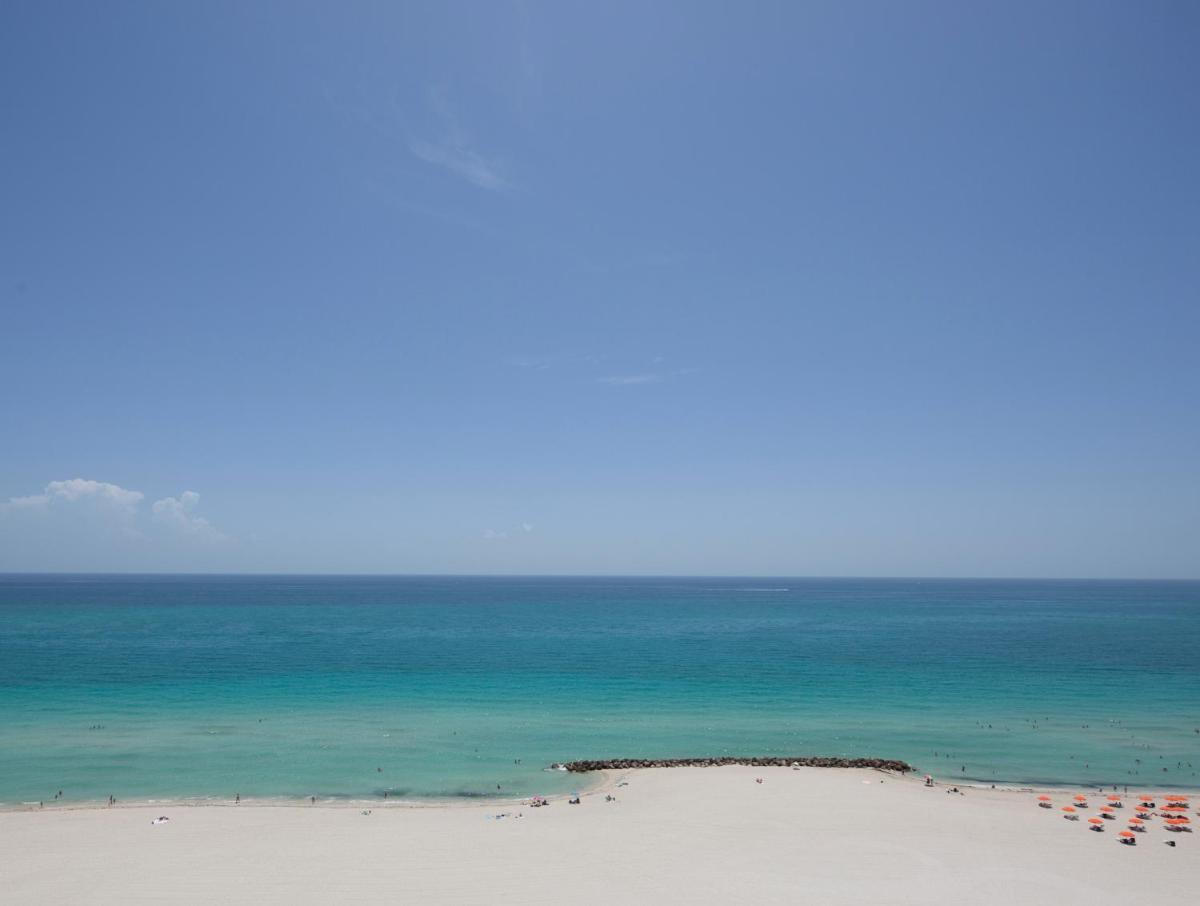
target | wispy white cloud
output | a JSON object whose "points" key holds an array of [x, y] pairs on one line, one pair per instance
{"points": [[554, 360], [454, 150], [32, 502], [592, 362], [79, 489], [648, 377], [469, 164], [533, 363], [523, 528], [81, 511], [178, 513]]}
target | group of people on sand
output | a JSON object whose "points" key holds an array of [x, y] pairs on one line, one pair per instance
{"points": [[952, 789], [542, 801]]}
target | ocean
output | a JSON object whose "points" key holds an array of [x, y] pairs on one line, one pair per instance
{"points": [[173, 687]]}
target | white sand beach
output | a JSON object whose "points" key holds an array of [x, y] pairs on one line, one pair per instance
{"points": [[694, 835]]}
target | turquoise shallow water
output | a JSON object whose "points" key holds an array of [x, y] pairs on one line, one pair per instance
{"points": [[169, 687]]}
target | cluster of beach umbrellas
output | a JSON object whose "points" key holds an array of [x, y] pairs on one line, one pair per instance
{"points": [[1174, 813]]}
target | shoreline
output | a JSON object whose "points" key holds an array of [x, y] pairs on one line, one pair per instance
{"points": [[601, 785], [606, 779]]}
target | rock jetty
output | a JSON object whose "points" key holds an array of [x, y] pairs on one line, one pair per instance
{"points": [[807, 761]]}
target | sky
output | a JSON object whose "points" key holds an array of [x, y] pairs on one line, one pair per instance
{"points": [[867, 289]]}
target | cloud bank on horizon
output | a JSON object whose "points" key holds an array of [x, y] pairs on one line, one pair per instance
{"points": [[84, 524]]}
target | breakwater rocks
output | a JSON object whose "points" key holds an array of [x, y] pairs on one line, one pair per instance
{"points": [[621, 764]]}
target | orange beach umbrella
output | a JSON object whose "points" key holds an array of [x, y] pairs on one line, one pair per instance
{"points": [[1043, 798], [1095, 820], [1068, 808], [1146, 798], [1136, 821], [1125, 834], [1081, 798], [1106, 808], [1114, 798], [1176, 798]]}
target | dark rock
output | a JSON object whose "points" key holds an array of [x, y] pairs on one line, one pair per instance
{"points": [[808, 761]]}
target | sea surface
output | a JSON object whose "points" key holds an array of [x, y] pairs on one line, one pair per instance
{"points": [[151, 687]]}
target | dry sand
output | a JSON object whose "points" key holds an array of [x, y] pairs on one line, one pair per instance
{"points": [[682, 835]]}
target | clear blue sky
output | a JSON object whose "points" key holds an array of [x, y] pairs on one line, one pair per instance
{"points": [[796, 288]]}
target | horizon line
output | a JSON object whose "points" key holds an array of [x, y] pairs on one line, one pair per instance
{"points": [[745, 576]]}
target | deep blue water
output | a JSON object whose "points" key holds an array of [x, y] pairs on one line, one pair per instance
{"points": [[157, 687]]}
